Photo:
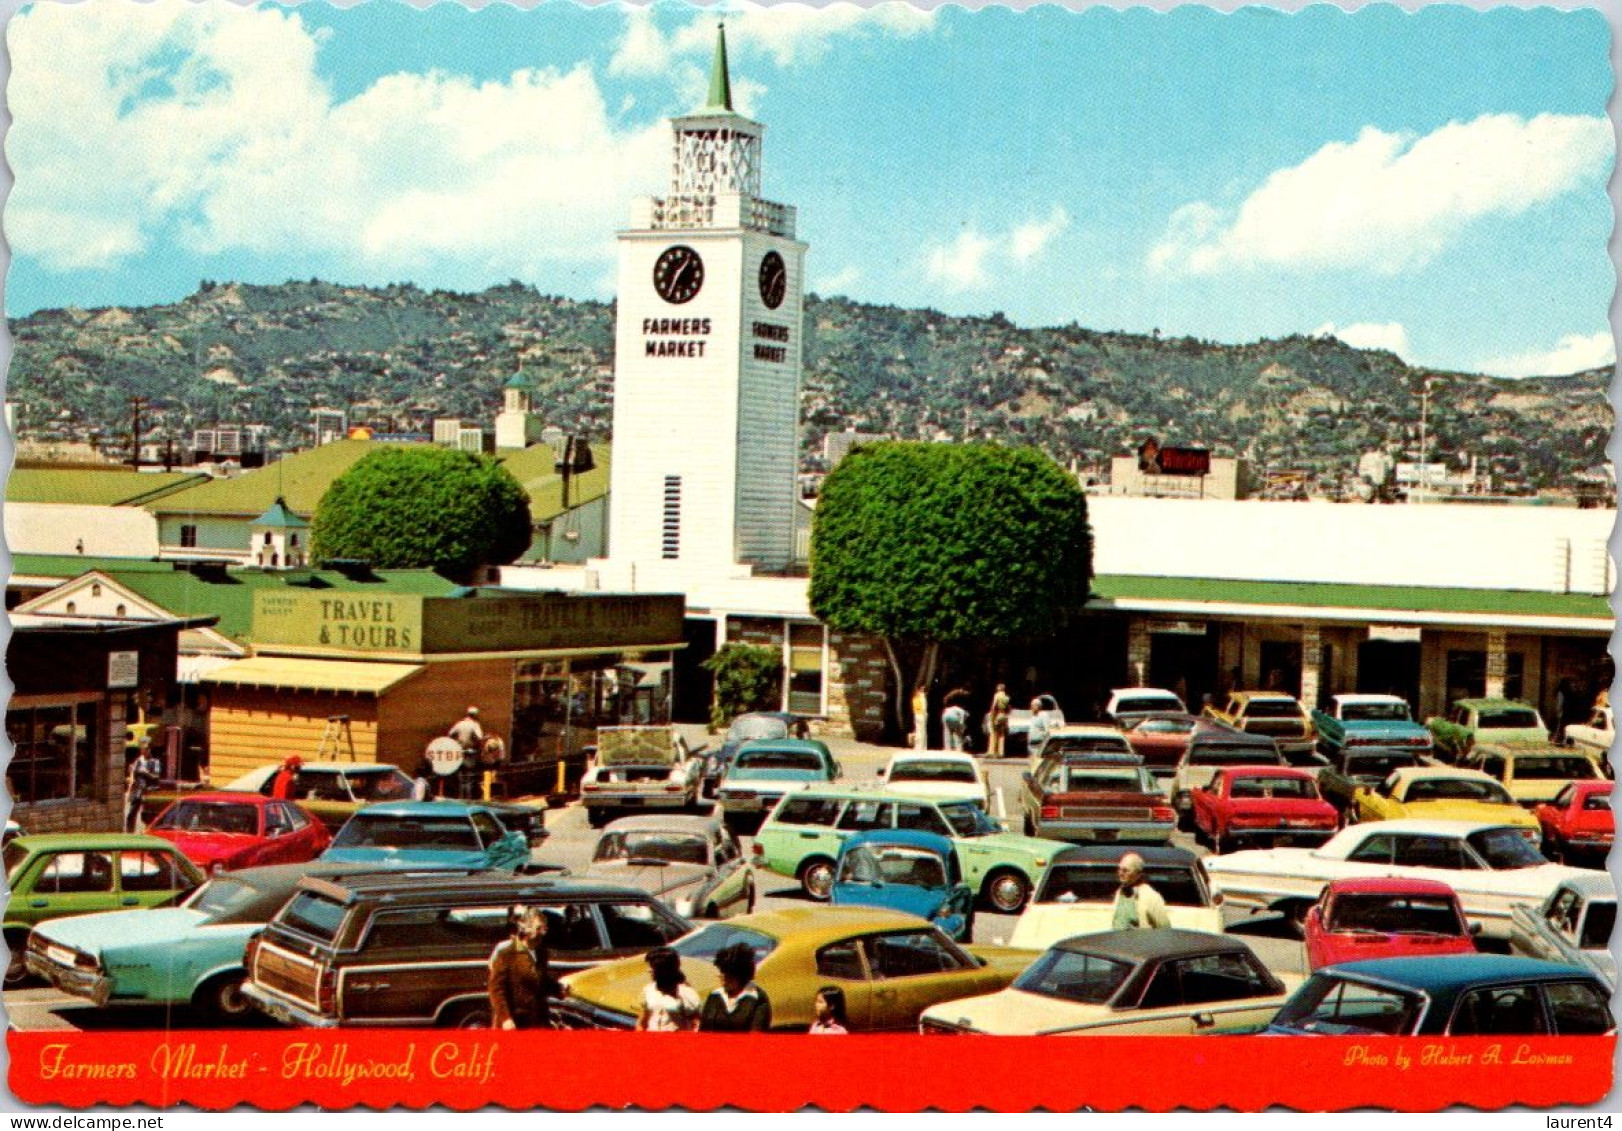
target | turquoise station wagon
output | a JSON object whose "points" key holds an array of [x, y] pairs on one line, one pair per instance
{"points": [[802, 838]]}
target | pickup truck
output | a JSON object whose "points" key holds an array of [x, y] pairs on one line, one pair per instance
{"points": [[1262, 805], [639, 768], [1277, 716], [1368, 720], [1485, 720], [1360, 767]]}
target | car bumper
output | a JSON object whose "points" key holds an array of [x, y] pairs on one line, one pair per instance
{"points": [[75, 980], [1092, 832], [636, 800], [572, 1013], [759, 803], [287, 1013], [1307, 837]]}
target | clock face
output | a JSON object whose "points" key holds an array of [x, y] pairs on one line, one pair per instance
{"points": [[773, 280], [678, 274]]}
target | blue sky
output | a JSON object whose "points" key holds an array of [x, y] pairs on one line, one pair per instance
{"points": [[1432, 182]]}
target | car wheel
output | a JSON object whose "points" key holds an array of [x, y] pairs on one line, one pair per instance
{"points": [[222, 998], [1030, 826], [17, 965], [473, 1015], [1185, 813], [1555, 850], [1007, 891], [817, 878], [1296, 911]]}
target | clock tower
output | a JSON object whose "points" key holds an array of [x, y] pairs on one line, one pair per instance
{"points": [[707, 359]]}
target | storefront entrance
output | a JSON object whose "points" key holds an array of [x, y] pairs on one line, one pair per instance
{"points": [[1185, 663], [1389, 667]]}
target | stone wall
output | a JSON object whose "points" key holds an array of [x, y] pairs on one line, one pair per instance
{"points": [[856, 676]]}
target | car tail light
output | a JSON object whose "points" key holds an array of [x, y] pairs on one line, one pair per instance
{"points": [[327, 995], [1217, 900], [1050, 812], [588, 787], [1163, 813], [757, 849], [936, 1029], [1533, 835], [673, 788], [250, 953]]}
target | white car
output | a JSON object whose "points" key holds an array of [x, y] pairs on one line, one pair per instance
{"points": [[1079, 738], [1597, 736], [1128, 704], [657, 777], [946, 774], [1492, 867], [1572, 926]]}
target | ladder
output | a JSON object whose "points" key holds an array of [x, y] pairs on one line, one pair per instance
{"points": [[337, 732]]}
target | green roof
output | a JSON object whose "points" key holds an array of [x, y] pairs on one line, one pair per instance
{"points": [[1330, 595], [535, 468], [65, 566], [93, 487], [520, 380], [300, 479], [279, 515]]}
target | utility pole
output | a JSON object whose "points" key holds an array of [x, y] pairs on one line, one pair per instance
{"points": [[136, 405], [1424, 432]]}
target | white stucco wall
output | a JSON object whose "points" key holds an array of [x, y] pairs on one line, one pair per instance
{"points": [[58, 528]]}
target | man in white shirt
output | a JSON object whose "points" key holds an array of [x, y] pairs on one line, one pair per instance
{"points": [[1136, 903]]}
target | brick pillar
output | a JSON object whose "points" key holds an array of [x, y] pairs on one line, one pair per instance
{"points": [[1497, 661], [1311, 658], [1137, 651]]}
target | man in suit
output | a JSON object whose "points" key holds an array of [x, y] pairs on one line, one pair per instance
{"points": [[521, 975]]}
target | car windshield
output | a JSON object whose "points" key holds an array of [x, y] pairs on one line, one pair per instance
{"points": [[1555, 767], [1457, 789], [1297, 788], [1165, 726], [1505, 849], [1597, 926], [706, 943], [892, 864], [1209, 754], [968, 819], [1508, 718], [1095, 882], [934, 771], [1087, 978], [221, 898], [751, 727], [1337, 1006], [1376, 765], [671, 847], [381, 785], [1273, 709], [1070, 744], [209, 817], [779, 760], [1137, 704], [1598, 801], [1374, 712], [1104, 779], [1395, 914], [424, 834]]}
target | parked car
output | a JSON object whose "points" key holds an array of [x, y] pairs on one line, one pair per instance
{"points": [[1369, 720], [1262, 804], [525, 817], [331, 791], [692, 863], [428, 834], [637, 769], [1128, 705], [1385, 918], [1209, 748], [1442, 793], [1456, 995], [1597, 736], [802, 838], [1277, 716], [54, 875], [413, 950], [1533, 774], [890, 966], [764, 770], [912, 872], [1167, 982], [1161, 739], [1485, 720], [1079, 738], [1095, 797], [185, 955], [1027, 728], [1077, 893], [747, 728], [1572, 926], [937, 773], [1357, 768], [1578, 822], [1490, 866], [225, 831]]}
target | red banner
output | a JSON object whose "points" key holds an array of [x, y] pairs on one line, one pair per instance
{"points": [[574, 1070]]}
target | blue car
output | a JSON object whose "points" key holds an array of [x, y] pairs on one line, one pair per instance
{"points": [[902, 870], [429, 834]]}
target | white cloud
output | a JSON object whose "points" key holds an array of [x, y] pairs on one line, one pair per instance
{"points": [[961, 265], [839, 282], [1392, 336], [1028, 240], [1572, 354], [1388, 202], [211, 121]]}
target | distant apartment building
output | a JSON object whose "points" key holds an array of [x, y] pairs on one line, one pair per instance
{"points": [[1224, 477]]}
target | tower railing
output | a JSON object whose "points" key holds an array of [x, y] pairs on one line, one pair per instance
{"points": [[726, 210]]}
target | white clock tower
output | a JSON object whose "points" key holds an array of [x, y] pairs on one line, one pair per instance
{"points": [[707, 361]]}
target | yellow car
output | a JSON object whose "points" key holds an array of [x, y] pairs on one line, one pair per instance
{"points": [[1164, 982], [891, 966], [1534, 774], [1442, 793]]}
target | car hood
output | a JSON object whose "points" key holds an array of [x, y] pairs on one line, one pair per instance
{"points": [[93, 933], [1454, 810], [1016, 843], [1043, 924], [618, 986], [954, 790], [663, 880], [922, 902], [1013, 1012]]}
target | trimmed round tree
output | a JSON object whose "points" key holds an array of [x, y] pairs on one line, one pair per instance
{"points": [[931, 544], [415, 507]]}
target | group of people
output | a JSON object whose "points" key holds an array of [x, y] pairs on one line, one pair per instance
{"points": [[521, 986], [955, 720]]}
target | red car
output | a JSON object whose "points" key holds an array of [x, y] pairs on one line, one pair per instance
{"points": [[1385, 918], [221, 832], [1275, 804], [1160, 739], [1578, 821]]}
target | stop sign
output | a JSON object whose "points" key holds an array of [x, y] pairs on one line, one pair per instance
{"points": [[445, 756]]}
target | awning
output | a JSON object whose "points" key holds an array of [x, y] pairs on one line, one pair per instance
{"points": [[296, 674]]}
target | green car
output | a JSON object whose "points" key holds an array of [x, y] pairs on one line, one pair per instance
{"points": [[1485, 720], [802, 838], [53, 876]]}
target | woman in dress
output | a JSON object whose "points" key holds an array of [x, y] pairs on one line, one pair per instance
{"points": [[669, 1004]]}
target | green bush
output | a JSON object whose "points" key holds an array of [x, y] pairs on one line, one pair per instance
{"points": [[747, 679]]}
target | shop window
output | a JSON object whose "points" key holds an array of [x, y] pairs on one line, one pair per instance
{"points": [[806, 661], [670, 545], [188, 535], [54, 752], [1466, 674]]}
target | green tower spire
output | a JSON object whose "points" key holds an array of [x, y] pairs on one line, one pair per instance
{"points": [[720, 82]]}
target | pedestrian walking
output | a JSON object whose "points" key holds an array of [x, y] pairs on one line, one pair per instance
{"points": [[1000, 706], [830, 1006], [737, 1005], [422, 786], [144, 774], [1136, 903], [920, 718], [521, 974], [954, 721], [669, 1004]]}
